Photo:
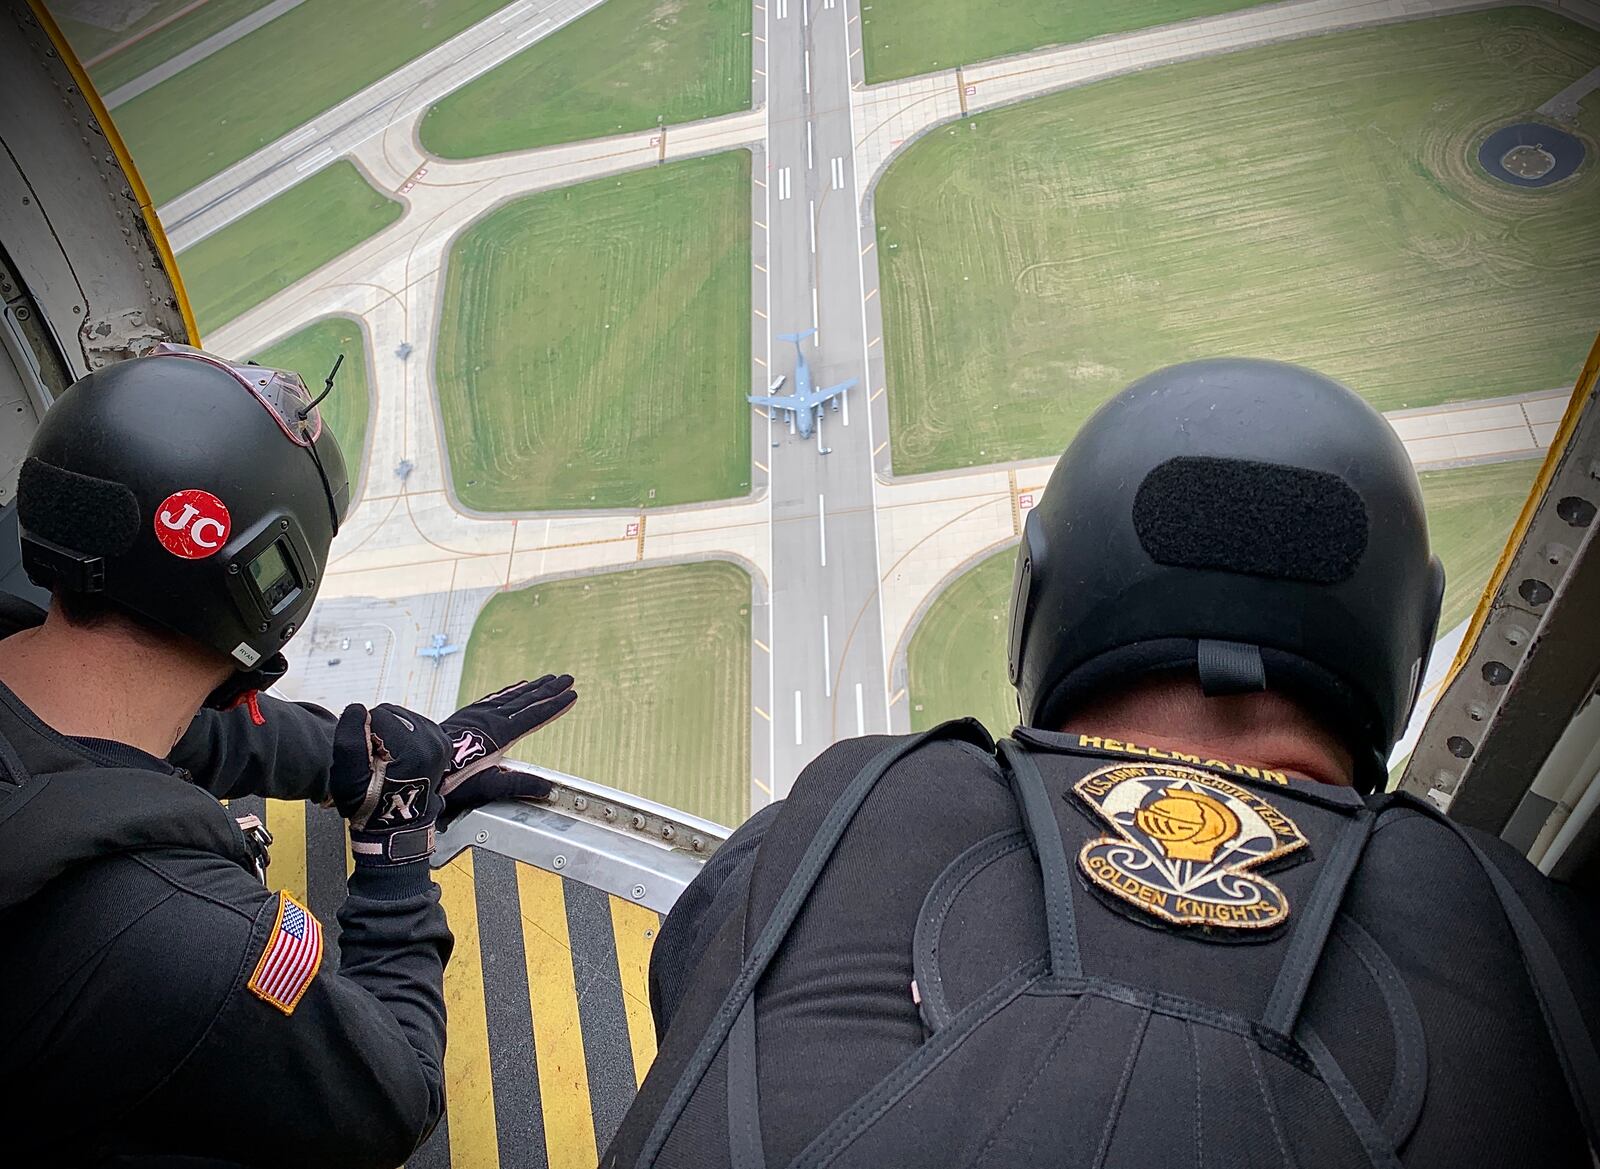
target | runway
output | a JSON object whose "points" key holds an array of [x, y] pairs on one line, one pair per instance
{"points": [[828, 662]]}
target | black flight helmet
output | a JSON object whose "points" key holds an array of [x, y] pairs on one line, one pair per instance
{"points": [[198, 493], [1251, 523]]}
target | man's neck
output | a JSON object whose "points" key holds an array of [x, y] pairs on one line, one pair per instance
{"points": [[108, 682], [1259, 730]]}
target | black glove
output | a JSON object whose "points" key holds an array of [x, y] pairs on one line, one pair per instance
{"points": [[480, 735], [385, 778]]}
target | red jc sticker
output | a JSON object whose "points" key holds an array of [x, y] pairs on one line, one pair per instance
{"points": [[192, 524]]}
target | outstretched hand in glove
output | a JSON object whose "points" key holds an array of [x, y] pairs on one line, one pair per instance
{"points": [[385, 781], [481, 733]]}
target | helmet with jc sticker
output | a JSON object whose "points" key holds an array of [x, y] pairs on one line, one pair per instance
{"points": [[194, 492], [1253, 524]]}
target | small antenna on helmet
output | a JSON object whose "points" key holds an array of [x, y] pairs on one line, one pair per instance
{"points": [[327, 388]]}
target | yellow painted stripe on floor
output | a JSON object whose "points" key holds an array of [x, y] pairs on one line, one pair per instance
{"points": [[286, 820], [635, 928], [469, 1082], [557, 1035]]}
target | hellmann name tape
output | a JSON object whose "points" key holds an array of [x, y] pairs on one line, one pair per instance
{"points": [[1117, 746]]}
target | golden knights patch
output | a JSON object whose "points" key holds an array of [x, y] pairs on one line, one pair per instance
{"points": [[1185, 842]]}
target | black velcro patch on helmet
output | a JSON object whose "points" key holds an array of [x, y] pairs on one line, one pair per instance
{"points": [[96, 517], [1262, 519]]}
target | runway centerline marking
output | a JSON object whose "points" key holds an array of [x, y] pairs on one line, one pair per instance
{"points": [[531, 29], [861, 712], [822, 530], [838, 173], [844, 406], [815, 324], [827, 661], [808, 70], [811, 221], [513, 12], [797, 718], [811, 163]]}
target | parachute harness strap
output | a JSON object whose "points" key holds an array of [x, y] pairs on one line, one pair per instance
{"points": [[1315, 922], [1061, 923]]}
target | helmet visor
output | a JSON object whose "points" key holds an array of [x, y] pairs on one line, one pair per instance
{"points": [[281, 391]]}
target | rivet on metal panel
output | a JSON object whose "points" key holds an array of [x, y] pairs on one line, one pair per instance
{"points": [[638, 821], [580, 803], [638, 892], [481, 838], [668, 832], [697, 843], [560, 862], [609, 812]]}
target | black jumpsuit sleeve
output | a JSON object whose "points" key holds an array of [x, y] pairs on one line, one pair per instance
{"points": [[284, 756], [353, 1076]]}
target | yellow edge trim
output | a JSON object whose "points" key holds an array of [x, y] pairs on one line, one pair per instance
{"points": [[1541, 483], [136, 184], [634, 928], [468, 1064]]}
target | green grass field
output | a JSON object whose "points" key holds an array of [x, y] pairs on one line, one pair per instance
{"points": [[282, 75], [957, 658], [154, 47], [901, 38], [662, 662], [311, 353], [594, 343], [281, 241], [1317, 201], [618, 67], [1470, 513]]}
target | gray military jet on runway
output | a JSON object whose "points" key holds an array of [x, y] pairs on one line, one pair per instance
{"points": [[805, 404]]}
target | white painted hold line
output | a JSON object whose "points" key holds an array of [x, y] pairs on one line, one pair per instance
{"points": [[293, 140], [316, 159]]}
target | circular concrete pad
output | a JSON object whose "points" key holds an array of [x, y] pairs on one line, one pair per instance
{"points": [[1530, 154]]}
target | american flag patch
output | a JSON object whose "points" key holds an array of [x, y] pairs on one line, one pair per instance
{"points": [[292, 956]]}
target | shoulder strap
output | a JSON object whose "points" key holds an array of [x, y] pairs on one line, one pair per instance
{"points": [[1061, 924], [1316, 923], [745, 1150], [789, 904]]}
